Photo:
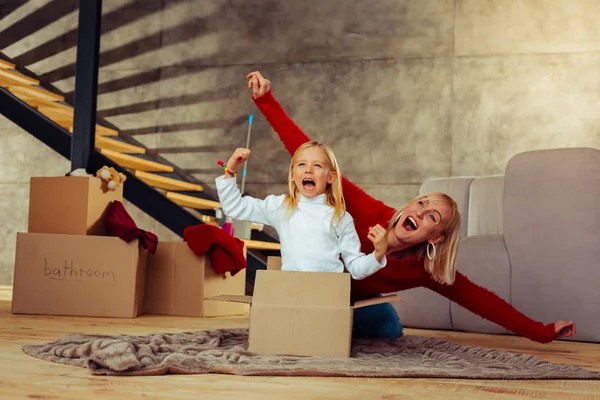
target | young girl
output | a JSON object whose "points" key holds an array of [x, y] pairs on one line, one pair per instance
{"points": [[313, 225]]}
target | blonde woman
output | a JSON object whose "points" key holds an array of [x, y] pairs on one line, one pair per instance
{"points": [[311, 220], [422, 241]]}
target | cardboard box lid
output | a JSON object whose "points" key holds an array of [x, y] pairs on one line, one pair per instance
{"points": [[376, 300]]}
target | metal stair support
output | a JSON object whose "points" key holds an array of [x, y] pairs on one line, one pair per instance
{"points": [[45, 115]]}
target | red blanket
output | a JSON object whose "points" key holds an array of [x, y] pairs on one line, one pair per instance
{"points": [[226, 252]]}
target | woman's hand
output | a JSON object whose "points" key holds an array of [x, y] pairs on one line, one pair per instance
{"points": [[564, 329], [378, 236], [258, 84], [239, 156]]}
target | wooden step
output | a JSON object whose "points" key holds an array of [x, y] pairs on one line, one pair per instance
{"points": [[64, 124], [35, 92], [69, 113], [258, 245], [207, 219], [55, 115], [6, 82], [163, 182], [192, 202], [136, 163], [102, 130], [210, 220], [103, 142], [64, 117], [20, 86], [17, 77], [63, 113], [59, 122], [36, 103], [7, 65]]}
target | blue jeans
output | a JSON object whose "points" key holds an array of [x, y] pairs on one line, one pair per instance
{"points": [[378, 321]]}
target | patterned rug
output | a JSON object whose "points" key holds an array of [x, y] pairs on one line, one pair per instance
{"points": [[223, 351]]}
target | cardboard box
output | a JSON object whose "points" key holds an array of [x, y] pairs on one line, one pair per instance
{"points": [[302, 313], [72, 205], [95, 276], [178, 280]]}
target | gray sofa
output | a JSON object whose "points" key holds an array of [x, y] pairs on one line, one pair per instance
{"points": [[532, 236]]}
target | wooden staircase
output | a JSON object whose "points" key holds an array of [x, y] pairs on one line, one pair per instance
{"points": [[108, 143]]}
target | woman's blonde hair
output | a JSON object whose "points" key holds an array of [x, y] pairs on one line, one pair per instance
{"points": [[334, 196], [443, 267]]}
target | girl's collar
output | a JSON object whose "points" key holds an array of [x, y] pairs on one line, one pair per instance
{"points": [[320, 199]]}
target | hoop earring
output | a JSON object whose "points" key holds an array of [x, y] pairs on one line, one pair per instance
{"points": [[431, 258], [397, 219]]}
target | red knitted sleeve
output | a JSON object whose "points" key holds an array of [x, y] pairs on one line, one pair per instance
{"points": [[364, 209], [490, 306], [289, 133]]}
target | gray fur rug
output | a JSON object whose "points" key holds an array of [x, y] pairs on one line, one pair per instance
{"points": [[223, 351]]}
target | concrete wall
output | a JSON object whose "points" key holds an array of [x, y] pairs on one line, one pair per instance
{"points": [[402, 90]]}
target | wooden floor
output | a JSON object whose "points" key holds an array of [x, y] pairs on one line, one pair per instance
{"points": [[24, 377]]}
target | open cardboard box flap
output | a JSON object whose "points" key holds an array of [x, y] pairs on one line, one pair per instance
{"points": [[358, 304], [274, 264], [232, 298], [376, 300], [327, 290]]}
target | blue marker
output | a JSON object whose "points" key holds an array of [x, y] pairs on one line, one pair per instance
{"points": [[248, 147]]}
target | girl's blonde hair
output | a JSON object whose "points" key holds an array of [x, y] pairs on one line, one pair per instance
{"points": [[443, 267], [334, 196]]}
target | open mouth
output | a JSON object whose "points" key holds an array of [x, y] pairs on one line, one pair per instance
{"points": [[308, 183], [410, 224]]}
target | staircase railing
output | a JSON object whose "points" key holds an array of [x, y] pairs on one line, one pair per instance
{"points": [[80, 146]]}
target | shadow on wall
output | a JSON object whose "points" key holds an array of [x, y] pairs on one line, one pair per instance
{"points": [[33, 22], [110, 21], [225, 125], [224, 18], [169, 102]]}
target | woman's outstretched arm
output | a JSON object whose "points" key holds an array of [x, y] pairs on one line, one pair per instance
{"points": [[366, 210], [490, 306]]}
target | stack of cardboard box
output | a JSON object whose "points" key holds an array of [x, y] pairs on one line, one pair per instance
{"points": [[67, 264]]}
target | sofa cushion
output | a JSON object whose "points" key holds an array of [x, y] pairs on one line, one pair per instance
{"points": [[423, 308], [552, 233], [455, 187], [484, 260], [486, 206]]}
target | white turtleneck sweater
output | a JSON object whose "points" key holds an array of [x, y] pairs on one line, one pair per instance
{"points": [[309, 241]]}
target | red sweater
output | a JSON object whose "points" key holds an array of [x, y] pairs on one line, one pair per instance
{"points": [[406, 273]]}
